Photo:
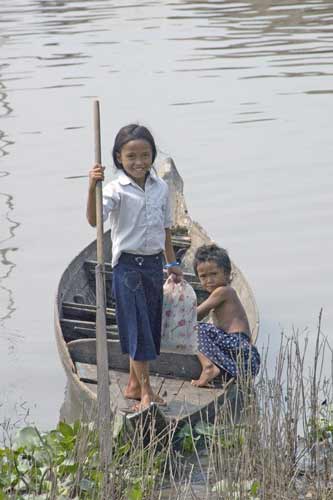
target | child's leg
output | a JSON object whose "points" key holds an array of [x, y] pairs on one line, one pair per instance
{"points": [[133, 388], [209, 372], [148, 396]]}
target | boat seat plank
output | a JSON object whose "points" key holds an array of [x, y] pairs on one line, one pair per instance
{"points": [[74, 329], [181, 241], [170, 365], [86, 312]]}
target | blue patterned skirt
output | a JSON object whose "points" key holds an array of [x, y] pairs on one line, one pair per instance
{"points": [[233, 353], [137, 287]]}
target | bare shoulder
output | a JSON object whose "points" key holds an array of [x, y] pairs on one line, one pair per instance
{"points": [[222, 293], [224, 290]]}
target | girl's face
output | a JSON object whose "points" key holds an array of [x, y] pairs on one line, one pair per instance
{"points": [[136, 158], [211, 276]]}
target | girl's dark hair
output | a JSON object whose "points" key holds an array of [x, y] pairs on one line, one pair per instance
{"points": [[213, 253], [129, 133]]}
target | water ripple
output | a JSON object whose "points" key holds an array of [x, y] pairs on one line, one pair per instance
{"points": [[6, 264], [256, 31]]}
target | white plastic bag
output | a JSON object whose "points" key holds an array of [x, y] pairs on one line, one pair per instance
{"points": [[179, 318]]}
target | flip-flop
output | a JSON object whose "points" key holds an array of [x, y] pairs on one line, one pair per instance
{"points": [[136, 409]]}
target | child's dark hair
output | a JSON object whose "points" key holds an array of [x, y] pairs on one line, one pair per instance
{"points": [[214, 253], [132, 132]]}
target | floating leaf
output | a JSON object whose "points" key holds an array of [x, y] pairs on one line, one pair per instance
{"points": [[86, 485], [68, 466], [185, 431], [27, 438], [66, 430], [204, 429], [42, 456], [118, 425]]}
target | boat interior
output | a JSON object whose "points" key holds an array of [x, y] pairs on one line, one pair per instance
{"points": [[171, 373]]}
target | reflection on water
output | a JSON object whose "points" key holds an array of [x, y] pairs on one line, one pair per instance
{"points": [[9, 337], [288, 40], [8, 267], [8, 228], [239, 93]]}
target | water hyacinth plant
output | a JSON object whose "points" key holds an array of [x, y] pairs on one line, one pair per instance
{"points": [[64, 463]]}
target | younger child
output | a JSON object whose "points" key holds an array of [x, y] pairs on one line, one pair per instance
{"points": [[225, 345], [137, 205]]}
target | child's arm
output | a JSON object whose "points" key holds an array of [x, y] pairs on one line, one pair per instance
{"points": [[170, 256], [96, 174], [214, 300]]}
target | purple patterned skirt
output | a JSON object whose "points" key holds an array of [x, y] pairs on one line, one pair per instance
{"points": [[233, 353]]}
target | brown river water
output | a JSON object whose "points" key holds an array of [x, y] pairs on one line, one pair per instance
{"points": [[239, 93]]}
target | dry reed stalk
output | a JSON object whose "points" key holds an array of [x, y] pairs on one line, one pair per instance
{"points": [[253, 442], [272, 420]]}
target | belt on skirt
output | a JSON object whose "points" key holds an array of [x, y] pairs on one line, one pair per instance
{"points": [[138, 259]]}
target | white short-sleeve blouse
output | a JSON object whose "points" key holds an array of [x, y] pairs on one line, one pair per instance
{"points": [[138, 217]]}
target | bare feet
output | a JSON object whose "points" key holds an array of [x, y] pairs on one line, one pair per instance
{"points": [[133, 392], [147, 399], [208, 373]]}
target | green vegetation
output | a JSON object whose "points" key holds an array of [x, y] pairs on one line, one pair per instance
{"points": [[271, 441], [64, 464]]}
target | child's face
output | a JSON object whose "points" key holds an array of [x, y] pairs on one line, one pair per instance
{"points": [[136, 158], [211, 276]]}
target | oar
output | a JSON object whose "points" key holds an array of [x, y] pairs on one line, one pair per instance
{"points": [[103, 394]]}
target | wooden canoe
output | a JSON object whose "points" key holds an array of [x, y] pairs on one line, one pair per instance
{"points": [[171, 374]]}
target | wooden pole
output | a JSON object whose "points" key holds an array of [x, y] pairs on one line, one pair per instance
{"points": [[103, 394]]}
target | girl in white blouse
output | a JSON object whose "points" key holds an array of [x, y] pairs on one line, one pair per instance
{"points": [[137, 204]]}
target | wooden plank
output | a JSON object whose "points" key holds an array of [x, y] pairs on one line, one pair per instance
{"points": [[84, 351], [168, 388], [168, 365], [74, 329], [184, 401], [86, 312], [181, 241], [87, 373], [193, 404], [90, 307]]}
